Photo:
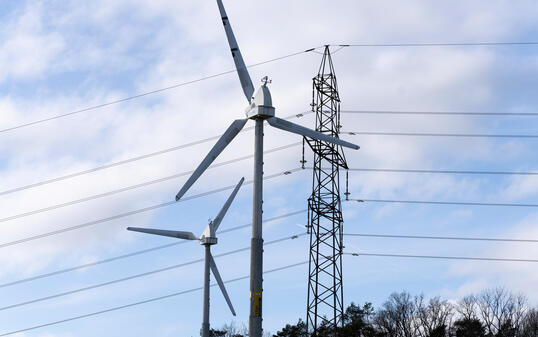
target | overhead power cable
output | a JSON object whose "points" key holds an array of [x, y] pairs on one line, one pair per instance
{"points": [[445, 203], [132, 187], [447, 113], [133, 212], [154, 299], [417, 134], [442, 171], [132, 277], [145, 251], [130, 160], [457, 238], [266, 272], [442, 44], [493, 259], [130, 98], [139, 252]]}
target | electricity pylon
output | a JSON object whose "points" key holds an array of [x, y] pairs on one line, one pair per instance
{"points": [[325, 282]]}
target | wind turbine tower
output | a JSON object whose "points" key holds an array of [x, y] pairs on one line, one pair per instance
{"points": [[260, 109], [207, 239]]}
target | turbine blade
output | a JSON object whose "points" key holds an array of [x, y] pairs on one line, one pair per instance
{"points": [[242, 71], [222, 213], [162, 232], [215, 272], [221, 144], [301, 130]]}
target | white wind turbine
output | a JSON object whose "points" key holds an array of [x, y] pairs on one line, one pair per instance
{"points": [[260, 109], [207, 239]]}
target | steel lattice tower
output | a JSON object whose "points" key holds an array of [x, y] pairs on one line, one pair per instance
{"points": [[325, 284]]}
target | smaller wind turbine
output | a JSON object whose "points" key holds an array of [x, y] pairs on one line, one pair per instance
{"points": [[207, 239]]}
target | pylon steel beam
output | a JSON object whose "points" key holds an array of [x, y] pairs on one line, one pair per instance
{"points": [[325, 305]]}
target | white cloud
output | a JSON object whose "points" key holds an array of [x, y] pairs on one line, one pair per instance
{"points": [[27, 50], [103, 50], [515, 276], [522, 187]]}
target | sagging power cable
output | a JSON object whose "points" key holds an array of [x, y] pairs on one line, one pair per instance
{"points": [[132, 277], [130, 98], [137, 253], [132, 187], [133, 212]]}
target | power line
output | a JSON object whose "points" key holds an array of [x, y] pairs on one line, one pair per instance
{"points": [[129, 98], [133, 212], [416, 134], [443, 44], [130, 160], [132, 277], [107, 166], [131, 187], [266, 272], [447, 113], [125, 99], [442, 171], [139, 252], [154, 299], [446, 203], [440, 237], [493, 259]]}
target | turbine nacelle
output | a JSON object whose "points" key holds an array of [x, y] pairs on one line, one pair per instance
{"points": [[209, 236], [261, 105]]}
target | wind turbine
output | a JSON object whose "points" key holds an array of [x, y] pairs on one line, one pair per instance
{"points": [[207, 239], [260, 109]]}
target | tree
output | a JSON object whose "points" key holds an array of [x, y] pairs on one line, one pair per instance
{"points": [[434, 317], [467, 307], [501, 311], [468, 327], [357, 321], [529, 324], [229, 330], [298, 330], [216, 333], [397, 317]]}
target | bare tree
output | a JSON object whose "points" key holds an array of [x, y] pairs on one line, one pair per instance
{"points": [[529, 324], [467, 307], [233, 330], [501, 311], [435, 317], [398, 316]]}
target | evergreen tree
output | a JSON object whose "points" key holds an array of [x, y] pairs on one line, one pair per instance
{"points": [[468, 327], [297, 330]]}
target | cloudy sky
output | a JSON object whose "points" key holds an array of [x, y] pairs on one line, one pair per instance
{"points": [[58, 57]]}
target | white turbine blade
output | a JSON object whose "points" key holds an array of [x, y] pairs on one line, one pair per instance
{"points": [[221, 144], [301, 130], [162, 232], [242, 71], [222, 213], [215, 272]]}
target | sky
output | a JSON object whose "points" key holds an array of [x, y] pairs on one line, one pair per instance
{"points": [[62, 56]]}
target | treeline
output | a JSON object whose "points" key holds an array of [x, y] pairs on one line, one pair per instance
{"points": [[491, 313]]}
